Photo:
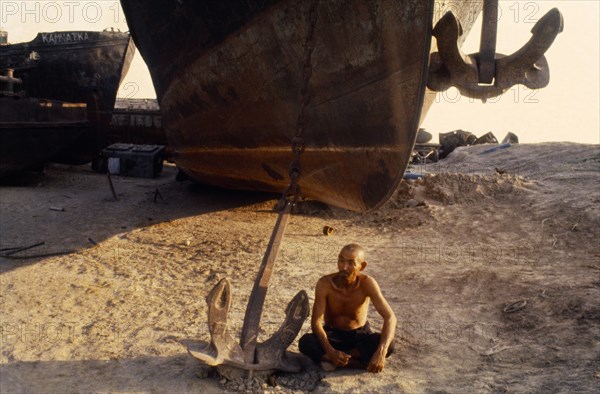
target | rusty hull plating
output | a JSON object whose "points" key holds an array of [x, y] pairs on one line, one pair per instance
{"points": [[228, 78]]}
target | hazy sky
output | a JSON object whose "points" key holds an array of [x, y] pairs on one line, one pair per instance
{"points": [[567, 110]]}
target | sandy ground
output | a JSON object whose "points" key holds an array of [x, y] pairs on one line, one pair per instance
{"points": [[450, 252]]}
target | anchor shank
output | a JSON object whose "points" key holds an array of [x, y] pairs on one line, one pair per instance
{"points": [[259, 291], [487, 45]]}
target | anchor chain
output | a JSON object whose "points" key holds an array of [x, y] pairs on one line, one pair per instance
{"points": [[488, 74], [298, 145], [250, 356]]}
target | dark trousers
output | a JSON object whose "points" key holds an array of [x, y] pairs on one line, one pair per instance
{"points": [[362, 339]]}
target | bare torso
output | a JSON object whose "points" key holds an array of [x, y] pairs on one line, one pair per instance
{"points": [[346, 307], [342, 301]]}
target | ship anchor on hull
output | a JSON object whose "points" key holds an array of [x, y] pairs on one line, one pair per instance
{"points": [[486, 74]]}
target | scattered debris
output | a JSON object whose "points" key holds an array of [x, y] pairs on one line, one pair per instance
{"points": [[41, 255], [412, 203], [92, 241], [304, 381], [412, 175], [112, 188], [487, 138], [141, 161], [59, 209], [327, 230], [495, 148], [454, 139], [427, 152], [515, 306], [12, 251], [423, 136], [157, 195], [495, 349], [510, 138]]}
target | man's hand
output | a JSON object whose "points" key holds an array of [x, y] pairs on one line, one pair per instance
{"points": [[377, 361], [340, 359]]}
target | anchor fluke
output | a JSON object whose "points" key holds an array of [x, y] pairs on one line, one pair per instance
{"points": [[274, 348], [471, 74], [528, 66], [222, 346], [227, 355]]}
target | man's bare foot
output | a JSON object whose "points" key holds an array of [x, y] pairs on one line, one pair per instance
{"points": [[327, 366]]}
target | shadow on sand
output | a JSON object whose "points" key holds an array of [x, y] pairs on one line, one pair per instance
{"points": [[71, 208], [141, 374]]}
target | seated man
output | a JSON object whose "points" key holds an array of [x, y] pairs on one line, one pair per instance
{"points": [[342, 301]]}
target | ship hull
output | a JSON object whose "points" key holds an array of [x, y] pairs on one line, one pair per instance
{"points": [[33, 131], [232, 102], [82, 67]]}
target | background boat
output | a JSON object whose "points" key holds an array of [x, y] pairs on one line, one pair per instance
{"points": [[235, 82], [136, 121], [74, 66], [32, 131]]}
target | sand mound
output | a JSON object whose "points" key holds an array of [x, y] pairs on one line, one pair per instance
{"points": [[450, 189]]}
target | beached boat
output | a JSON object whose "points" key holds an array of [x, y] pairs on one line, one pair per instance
{"points": [[136, 121], [32, 131], [238, 81], [74, 66]]}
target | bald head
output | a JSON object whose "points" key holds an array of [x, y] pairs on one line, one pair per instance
{"points": [[356, 250], [350, 262]]}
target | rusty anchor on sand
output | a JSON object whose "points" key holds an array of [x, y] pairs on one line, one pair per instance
{"points": [[486, 74], [250, 357]]}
